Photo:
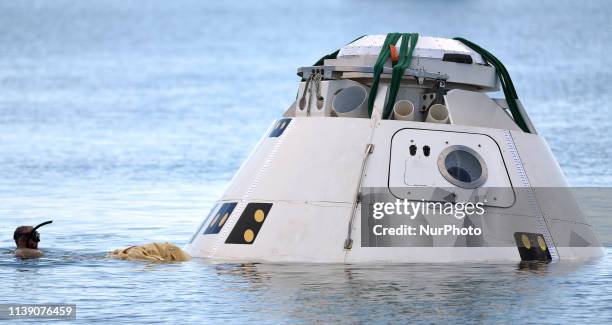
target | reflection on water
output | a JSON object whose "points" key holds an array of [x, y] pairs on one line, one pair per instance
{"points": [[305, 293], [122, 121]]}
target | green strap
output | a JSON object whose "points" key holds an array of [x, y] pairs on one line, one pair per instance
{"points": [[409, 41], [333, 54], [505, 80], [385, 51]]}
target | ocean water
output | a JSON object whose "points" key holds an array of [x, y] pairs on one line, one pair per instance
{"points": [[123, 120]]}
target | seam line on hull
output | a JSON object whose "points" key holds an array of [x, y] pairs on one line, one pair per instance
{"points": [[542, 225]]}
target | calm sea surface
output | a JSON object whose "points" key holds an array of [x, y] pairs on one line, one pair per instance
{"points": [[123, 120]]}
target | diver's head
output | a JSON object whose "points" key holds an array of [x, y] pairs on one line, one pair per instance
{"points": [[27, 236], [23, 239]]}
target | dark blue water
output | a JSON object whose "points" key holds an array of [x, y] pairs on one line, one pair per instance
{"points": [[123, 121]]}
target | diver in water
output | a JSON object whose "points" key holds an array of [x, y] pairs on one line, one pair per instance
{"points": [[27, 239]]}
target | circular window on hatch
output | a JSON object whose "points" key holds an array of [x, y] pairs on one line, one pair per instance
{"points": [[462, 166]]}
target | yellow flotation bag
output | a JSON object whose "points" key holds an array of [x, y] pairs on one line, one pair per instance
{"points": [[154, 252]]}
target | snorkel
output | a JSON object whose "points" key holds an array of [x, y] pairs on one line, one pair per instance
{"points": [[34, 235], [27, 236]]}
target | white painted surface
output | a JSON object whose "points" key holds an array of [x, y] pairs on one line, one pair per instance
{"points": [[426, 47], [477, 109]]}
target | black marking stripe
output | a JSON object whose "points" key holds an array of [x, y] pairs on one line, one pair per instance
{"points": [[249, 224], [279, 127], [532, 247], [220, 218], [204, 222]]}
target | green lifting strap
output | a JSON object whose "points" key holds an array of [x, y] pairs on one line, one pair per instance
{"points": [[409, 41], [385, 51], [333, 54], [505, 80]]}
